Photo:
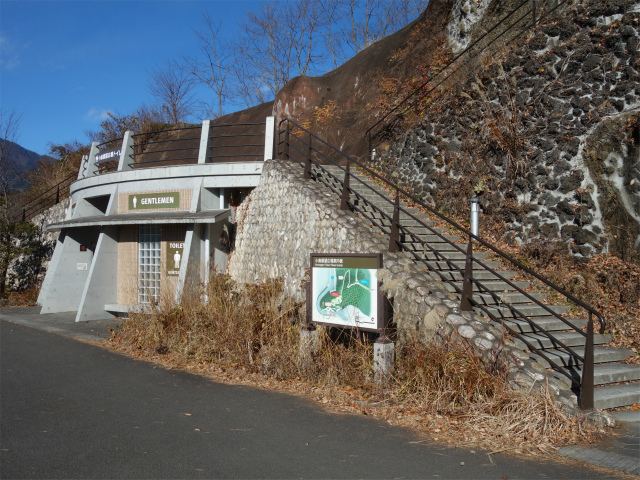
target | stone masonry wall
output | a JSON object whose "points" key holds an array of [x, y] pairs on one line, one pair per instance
{"points": [[287, 218], [24, 269], [548, 133]]}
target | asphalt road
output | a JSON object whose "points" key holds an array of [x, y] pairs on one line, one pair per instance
{"points": [[73, 410]]}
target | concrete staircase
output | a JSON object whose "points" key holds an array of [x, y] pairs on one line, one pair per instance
{"points": [[617, 384]]}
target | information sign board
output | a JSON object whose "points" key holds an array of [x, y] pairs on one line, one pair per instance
{"points": [[108, 155], [345, 290]]}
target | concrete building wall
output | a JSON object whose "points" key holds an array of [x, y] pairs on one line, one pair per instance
{"points": [[63, 291], [128, 264]]}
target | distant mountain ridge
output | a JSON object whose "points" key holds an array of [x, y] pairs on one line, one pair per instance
{"points": [[22, 161]]}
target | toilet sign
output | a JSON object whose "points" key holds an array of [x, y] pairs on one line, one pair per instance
{"points": [[148, 201], [174, 257]]}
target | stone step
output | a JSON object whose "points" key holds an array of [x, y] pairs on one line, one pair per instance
{"points": [[460, 264], [383, 211], [431, 238], [562, 358], [570, 339], [404, 219], [492, 286], [480, 275], [605, 373], [613, 396], [439, 246], [512, 298], [550, 324], [431, 256], [528, 310]]}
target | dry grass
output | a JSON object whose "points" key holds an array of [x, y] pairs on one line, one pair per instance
{"points": [[250, 335], [22, 298]]}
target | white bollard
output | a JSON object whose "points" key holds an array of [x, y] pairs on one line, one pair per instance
{"points": [[383, 359], [475, 216], [309, 344]]}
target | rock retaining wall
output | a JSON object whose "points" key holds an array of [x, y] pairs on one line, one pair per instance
{"points": [[549, 133], [27, 269], [287, 218]]}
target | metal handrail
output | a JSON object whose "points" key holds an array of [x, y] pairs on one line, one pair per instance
{"points": [[30, 209], [587, 358], [166, 130], [110, 141], [132, 165], [246, 124], [165, 141]]}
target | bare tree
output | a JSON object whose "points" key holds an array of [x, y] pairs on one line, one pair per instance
{"points": [[280, 41], [214, 66], [9, 126], [363, 22], [288, 38], [172, 88]]}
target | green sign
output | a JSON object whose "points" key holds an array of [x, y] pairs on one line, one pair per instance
{"points": [[344, 290], [174, 257], [145, 201]]}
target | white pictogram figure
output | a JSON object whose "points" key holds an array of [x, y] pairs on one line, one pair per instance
{"points": [[176, 259], [135, 201]]}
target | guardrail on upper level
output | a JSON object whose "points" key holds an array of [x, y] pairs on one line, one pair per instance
{"points": [[196, 145], [208, 143], [298, 144]]}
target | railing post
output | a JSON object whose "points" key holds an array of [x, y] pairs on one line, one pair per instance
{"points": [[467, 284], [344, 199], [126, 153], [24, 214], [586, 386], [307, 161], [92, 168], [394, 236], [203, 150], [269, 129], [285, 147], [58, 195]]}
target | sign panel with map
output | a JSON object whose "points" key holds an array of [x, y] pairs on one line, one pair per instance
{"points": [[344, 290]]}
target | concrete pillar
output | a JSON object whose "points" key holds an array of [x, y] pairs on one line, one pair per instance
{"points": [[383, 359], [91, 167], [203, 152], [101, 286], [84, 165], [269, 132], [68, 271], [126, 153]]}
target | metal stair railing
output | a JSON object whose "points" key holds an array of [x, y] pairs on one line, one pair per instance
{"points": [[45, 200], [310, 153]]}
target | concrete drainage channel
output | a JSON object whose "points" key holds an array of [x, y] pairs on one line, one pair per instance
{"points": [[621, 453]]}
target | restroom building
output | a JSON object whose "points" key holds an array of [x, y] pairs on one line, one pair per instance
{"points": [[151, 218]]}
